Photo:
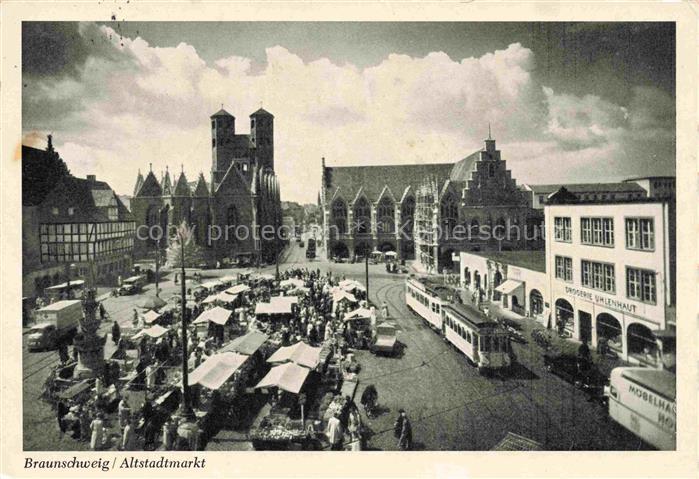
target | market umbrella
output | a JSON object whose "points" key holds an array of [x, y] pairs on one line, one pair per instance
{"points": [[152, 302]]}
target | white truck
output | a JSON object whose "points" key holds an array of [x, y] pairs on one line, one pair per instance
{"points": [[57, 322]]}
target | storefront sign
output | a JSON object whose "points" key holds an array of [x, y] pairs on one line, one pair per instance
{"points": [[602, 300]]}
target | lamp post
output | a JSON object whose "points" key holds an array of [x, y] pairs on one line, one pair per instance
{"points": [[366, 273], [185, 407]]}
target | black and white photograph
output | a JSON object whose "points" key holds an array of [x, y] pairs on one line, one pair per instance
{"points": [[348, 236]]}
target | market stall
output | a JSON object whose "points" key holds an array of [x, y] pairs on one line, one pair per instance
{"points": [[215, 320], [238, 289], [299, 353]]}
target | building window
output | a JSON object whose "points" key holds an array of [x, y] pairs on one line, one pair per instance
{"points": [[339, 214], [597, 231], [640, 285], [598, 276], [564, 268], [541, 199], [491, 170], [71, 211], [640, 234], [54, 211], [213, 142], [562, 230]]}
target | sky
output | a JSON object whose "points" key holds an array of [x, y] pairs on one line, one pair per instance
{"points": [[566, 102]]}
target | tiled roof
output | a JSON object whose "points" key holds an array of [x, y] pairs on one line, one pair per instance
{"points": [[202, 189], [262, 112], [372, 179], [462, 169], [90, 200], [221, 112], [150, 186], [589, 188], [242, 141]]}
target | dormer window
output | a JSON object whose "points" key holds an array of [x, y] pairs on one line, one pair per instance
{"points": [[54, 211], [245, 167], [71, 211]]}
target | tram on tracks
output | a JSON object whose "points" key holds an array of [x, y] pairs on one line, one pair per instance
{"points": [[483, 341]]}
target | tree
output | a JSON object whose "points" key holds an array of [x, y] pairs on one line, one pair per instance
{"points": [[183, 244]]}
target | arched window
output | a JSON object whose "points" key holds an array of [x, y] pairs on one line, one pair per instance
{"points": [[450, 213], [231, 223], [384, 214], [407, 214], [339, 216], [362, 216]]}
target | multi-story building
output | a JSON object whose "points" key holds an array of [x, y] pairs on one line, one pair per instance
{"points": [[76, 228], [426, 212], [611, 270], [236, 214]]}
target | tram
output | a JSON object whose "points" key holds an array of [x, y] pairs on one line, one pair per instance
{"points": [[484, 343]]}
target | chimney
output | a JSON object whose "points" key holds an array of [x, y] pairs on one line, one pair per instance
{"points": [[91, 178]]}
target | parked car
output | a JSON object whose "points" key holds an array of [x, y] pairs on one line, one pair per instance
{"points": [[132, 285], [384, 340], [586, 377]]}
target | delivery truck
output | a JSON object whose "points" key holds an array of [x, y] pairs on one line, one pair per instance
{"points": [[57, 323]]}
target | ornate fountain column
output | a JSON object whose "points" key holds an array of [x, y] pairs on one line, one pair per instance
{"points": [[89, 344]]}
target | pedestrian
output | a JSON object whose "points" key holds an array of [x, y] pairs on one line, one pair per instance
{"points": [[334, 433], [128, 437], [61, 410], [403, 431], [116, 332], [97, 427], [103, 312], [134, 322], [124, 412], [368, 400], [168, 434]]}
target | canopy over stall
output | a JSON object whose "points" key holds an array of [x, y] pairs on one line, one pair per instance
{"points": [[151, 316], [212, 284], [391, 254], [342, 295], [227, 279], [289, 376], [264, 277], [299, 353], [153, 332], [351, 285], [509, 286], [277, 305], [237, 289], [216, 315], [292, 283], [73, 284], [217, 369], [220, 298], [247, 344], [358, 313]]}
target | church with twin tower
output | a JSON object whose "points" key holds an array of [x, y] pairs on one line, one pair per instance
{"points": [[229, 210]]}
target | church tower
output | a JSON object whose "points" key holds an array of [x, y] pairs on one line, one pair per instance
{"points": [[262, 138], [222, 144]]}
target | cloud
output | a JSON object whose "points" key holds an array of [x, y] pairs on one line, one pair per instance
{"points": [[127, 103]]}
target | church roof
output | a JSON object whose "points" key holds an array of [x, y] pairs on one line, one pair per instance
{"points": [[139, 183], [150, 186], [182, 186], [202, 189], [373, 179], [221, 112], [262, 112], [461, 170]]}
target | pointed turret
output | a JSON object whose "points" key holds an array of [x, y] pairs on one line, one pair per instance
{"points": [[167, 183], [151, 186], [139, 183]]}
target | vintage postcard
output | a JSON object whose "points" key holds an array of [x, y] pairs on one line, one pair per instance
{"points": [[454, 240]]}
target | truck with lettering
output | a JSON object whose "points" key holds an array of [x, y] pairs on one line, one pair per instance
{"points": [[643, 401]]}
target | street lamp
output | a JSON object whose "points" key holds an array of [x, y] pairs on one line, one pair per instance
{"points": [[185, 407]]}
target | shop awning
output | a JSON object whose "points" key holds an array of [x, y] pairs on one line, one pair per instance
{"points": [[76, 283], [277, 305], [153, 332], [237, 289], [341, 295], [247, 344], [299, 353], [509, 286], [216, 315], [217, 369], [220, 297], [289, 377], [151, 316]]}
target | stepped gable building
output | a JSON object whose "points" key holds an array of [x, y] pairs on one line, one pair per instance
{"points": [[72, 228], [234, 211], [423, 211]]}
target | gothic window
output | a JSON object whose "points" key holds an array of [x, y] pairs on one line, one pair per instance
{"points": [[231, 222], [491, 170], [362, 216], [449, 213], [408, 214], [339, 214], [384, 213]]}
